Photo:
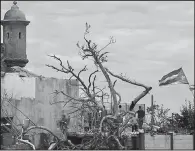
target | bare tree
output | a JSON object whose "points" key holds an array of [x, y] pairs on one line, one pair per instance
{"points": [[8, 108], [91, 93]]}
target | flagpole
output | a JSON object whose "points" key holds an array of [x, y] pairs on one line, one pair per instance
{"points": [[168, 79], [194, 120], [188, 83], [191, 91], [194, 110]]}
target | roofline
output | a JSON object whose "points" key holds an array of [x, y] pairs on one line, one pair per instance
{"points": [[4, 22]]}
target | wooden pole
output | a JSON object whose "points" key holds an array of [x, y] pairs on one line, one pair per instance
{"points": [[111, 104], [172, 123], [152, 106], [194, 128], [171, 140], [141, 141], [194, 122]]}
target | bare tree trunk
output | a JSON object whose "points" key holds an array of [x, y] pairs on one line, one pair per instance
{"points": [[112, 91]]}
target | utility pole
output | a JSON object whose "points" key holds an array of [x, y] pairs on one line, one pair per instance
{"points": [[111, 105], [152, 106], [172, 123], [194, 128]]}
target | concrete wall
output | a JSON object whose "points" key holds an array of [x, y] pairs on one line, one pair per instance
{"points": [[7, 110], [33, 96], [184, 142], [18, 87], [44, 94], [30, 107]]}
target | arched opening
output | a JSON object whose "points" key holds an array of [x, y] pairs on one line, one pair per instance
{"points": [[19, 35]]}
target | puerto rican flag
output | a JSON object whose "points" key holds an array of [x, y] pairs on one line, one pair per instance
{"points": [[174, 77]]}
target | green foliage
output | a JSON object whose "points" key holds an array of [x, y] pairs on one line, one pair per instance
{"points": [[184, 120], [187, 113], [160, 114]]}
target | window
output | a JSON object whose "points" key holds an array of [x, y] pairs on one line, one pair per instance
{"points": [[19, 35], [7, 35]]}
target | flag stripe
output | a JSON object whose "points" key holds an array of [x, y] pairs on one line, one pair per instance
{"points": [[169, 78], [174, 81], [175, 72], [175, 77]]}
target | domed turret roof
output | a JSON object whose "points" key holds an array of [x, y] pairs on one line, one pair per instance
{"points": [[14, 13]]}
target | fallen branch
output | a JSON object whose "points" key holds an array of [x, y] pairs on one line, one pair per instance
{"points": [[121, 147], [43, 128]]}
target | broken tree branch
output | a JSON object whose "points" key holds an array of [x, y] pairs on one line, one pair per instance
{"points": [[127, 80]]}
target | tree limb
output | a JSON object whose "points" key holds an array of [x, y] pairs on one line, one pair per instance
{"points": [[127, 80], [90, 80]]}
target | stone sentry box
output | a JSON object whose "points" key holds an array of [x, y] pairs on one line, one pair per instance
{"points": [[14, 37]]}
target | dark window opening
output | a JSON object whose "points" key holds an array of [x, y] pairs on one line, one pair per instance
{"points": [[8, 35], [19, 35], [6, 124]]}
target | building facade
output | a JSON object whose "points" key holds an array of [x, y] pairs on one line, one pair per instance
{"points": [[23, 93], [34, 97]]}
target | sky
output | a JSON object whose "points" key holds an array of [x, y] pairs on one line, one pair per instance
{"points": [[152, 39]]}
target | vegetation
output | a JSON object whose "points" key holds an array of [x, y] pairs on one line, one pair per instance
{"points": [[108, 132], [179, 122], [160, 115], [110, 125]]}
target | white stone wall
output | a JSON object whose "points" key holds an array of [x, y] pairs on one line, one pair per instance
{"points": [[18, 87], [33, 96]]}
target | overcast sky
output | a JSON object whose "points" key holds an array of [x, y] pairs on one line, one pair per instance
{"points": [[152, 39]]}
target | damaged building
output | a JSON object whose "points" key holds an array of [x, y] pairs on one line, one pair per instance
{"points": [[23, 93]]}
